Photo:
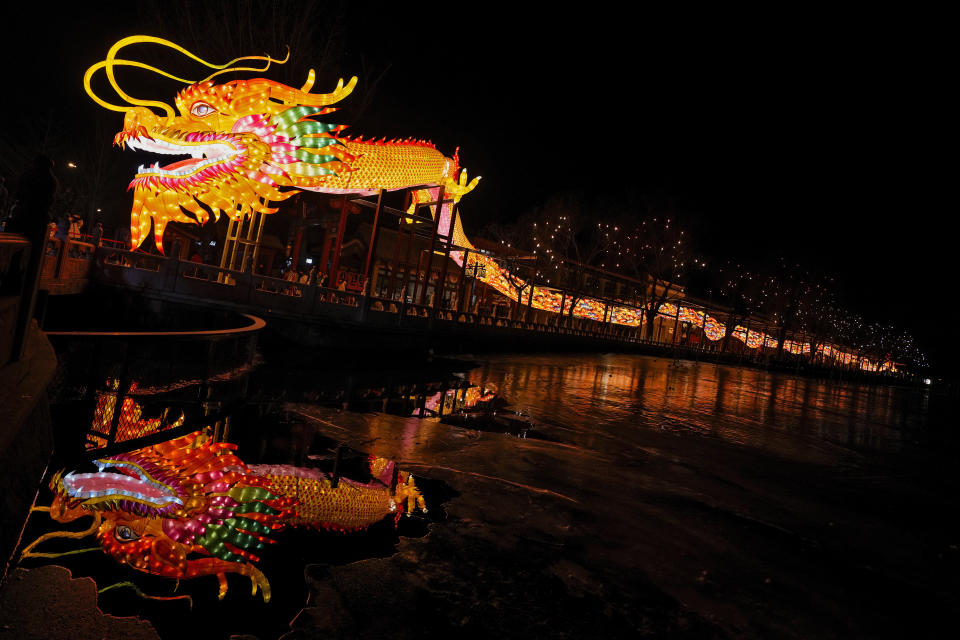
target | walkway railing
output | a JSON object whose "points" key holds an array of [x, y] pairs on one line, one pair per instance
{"points": [[253, 292], [67, 266]]}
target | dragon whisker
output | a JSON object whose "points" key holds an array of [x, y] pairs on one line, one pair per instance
{"points": [[73, 535], [62, 553], [145, 596]]}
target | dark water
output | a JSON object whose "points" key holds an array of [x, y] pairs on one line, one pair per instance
{"points": [[620, 398], [646, 497], [760, 505], [770, 504]]}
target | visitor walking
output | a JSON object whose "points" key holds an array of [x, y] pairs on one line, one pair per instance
{"points": [[76, 226], [63, 229]]}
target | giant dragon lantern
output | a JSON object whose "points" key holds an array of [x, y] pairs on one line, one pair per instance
{"points": [[246, 145], [249, 144]]}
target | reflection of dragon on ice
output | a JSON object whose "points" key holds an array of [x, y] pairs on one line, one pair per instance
{"points": [[189, 507]]}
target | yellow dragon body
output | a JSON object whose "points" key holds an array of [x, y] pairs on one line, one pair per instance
{"points": [[251, 143]]}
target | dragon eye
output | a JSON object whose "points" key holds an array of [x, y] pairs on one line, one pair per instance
{"points": [[201, 109], [123, 533]]}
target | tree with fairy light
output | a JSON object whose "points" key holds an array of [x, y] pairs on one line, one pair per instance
{"points": [[879, 345], [655, 251], [569, 246], [744, 292], [817, 315], [515, 261], [847, 329], [907, 352], [788, 302], [889, 348], [861, 339]]}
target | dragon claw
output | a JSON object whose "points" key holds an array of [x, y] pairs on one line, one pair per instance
{"points": [[408, 496], [222, 579]]}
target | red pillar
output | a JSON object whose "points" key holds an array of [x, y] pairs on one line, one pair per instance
{"points": [[335, 267], [370, 263]]}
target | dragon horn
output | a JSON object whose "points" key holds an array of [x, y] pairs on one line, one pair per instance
{"points": [[295, 96], [311, 77]]}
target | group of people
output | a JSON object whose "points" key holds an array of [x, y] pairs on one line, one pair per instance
{"points": [[311, 277], [71, 226], [15, 211]]}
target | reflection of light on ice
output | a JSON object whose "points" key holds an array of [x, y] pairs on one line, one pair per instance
{"points": [[433, 402], [450, 402], [496, 478], [130, 423]]}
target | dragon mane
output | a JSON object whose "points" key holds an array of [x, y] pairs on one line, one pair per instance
{"points": [[199, 490]]}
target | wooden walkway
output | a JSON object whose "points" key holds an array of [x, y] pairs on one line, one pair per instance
{"points": [[273, 298]]}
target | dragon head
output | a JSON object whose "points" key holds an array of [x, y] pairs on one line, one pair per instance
{"points": [[241, 142], [179, 509]]}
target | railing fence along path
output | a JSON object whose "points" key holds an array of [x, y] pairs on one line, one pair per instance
{"points": [[181, 280]]}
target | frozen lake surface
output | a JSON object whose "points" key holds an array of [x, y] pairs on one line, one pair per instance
{"points": [[685, 498], [648, 498]]}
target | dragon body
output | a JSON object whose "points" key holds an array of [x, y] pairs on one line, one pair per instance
{"points": [[241, 161], [189, 507], [247, 144]]}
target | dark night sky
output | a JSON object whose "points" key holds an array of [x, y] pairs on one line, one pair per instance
{"points": [[818, 136]]}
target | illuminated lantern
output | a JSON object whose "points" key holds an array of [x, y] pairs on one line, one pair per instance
{"points": [[189, 507]]}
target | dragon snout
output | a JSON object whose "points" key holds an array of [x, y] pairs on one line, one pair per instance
{"points": [[137, 123], [61, 509]]}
